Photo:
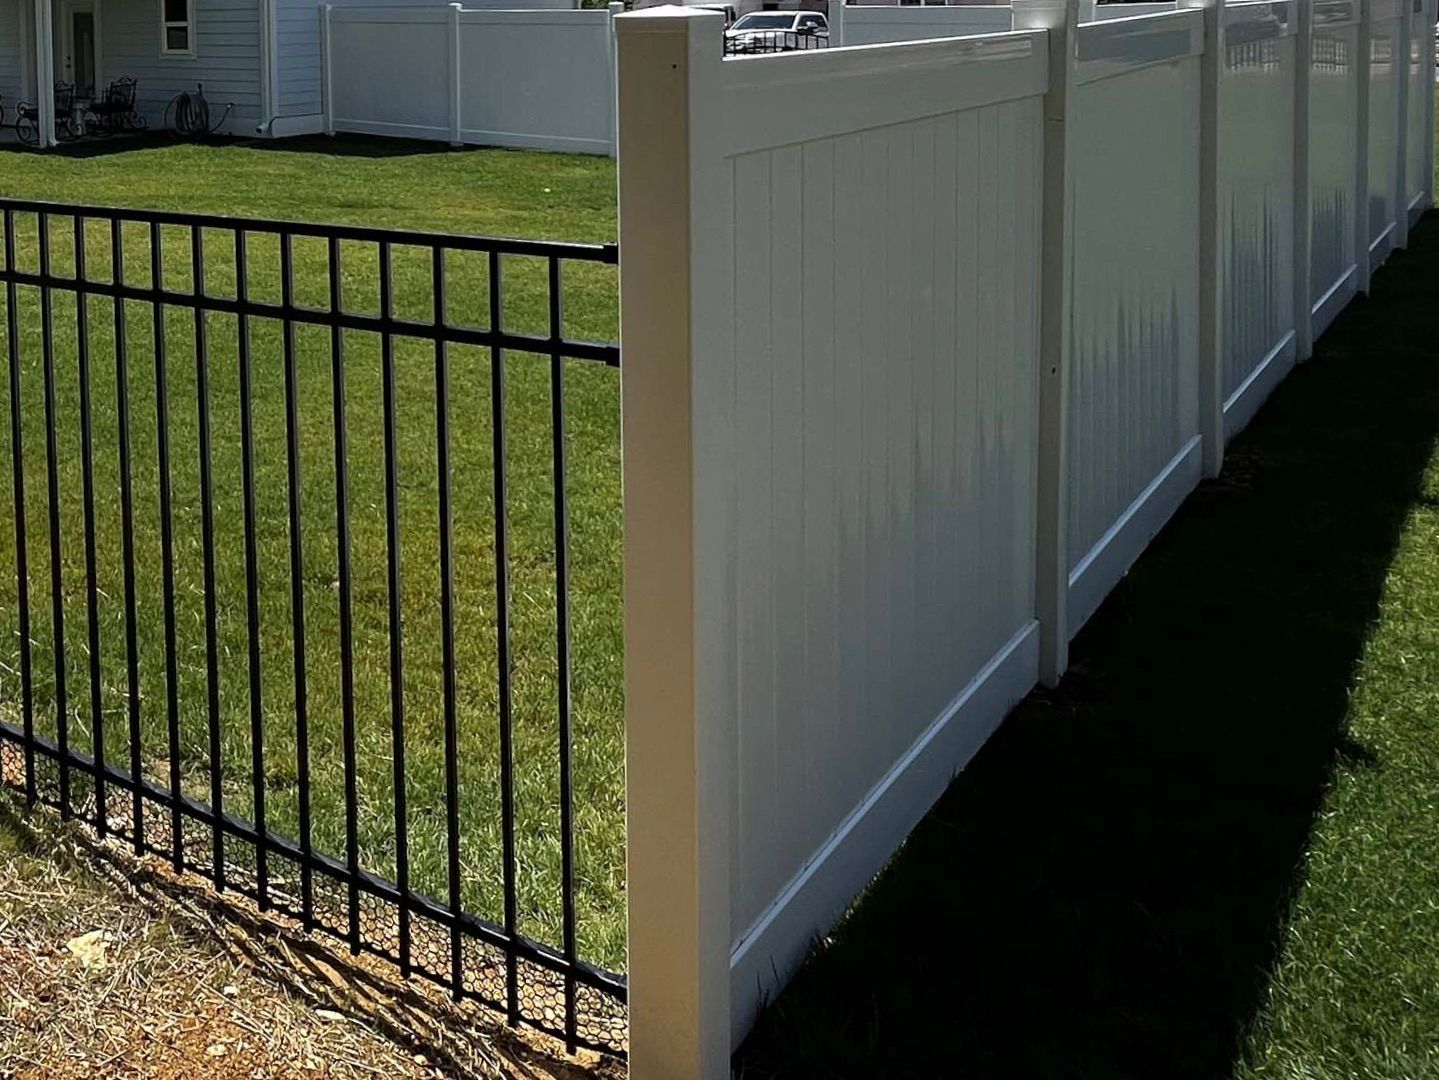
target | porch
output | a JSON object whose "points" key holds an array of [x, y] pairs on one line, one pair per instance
{"points": [[59, 58]]}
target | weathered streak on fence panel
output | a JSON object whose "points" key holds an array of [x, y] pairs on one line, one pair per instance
{"points": [[1385, 67], [1134, 422], [1334, 103], [1256, 206]]}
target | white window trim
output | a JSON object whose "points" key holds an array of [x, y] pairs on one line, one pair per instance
{"points": [[189, 25]]}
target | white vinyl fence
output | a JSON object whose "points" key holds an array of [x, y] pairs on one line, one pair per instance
{"points": [[853, 24], [533, 79], [872, 24], [923, 343], [1132, 346]]}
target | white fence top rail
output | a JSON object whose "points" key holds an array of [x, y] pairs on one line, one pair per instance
{"points": [[1120, 46], [781, 99], [412, 16], [1247, 22], [1332, 14]]}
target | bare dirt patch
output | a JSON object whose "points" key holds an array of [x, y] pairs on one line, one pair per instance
{"points": [[111, 968]]}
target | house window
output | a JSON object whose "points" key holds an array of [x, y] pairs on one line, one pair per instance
{"points": [[177, 27]]}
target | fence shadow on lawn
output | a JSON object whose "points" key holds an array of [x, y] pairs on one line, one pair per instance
{"points": [[90, 146], [1104, 891], [364, 146]]}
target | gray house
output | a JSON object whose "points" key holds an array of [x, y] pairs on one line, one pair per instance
{"points": [[259, 61]]}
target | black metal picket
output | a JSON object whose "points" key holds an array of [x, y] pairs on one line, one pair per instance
{"points": [[550, 988]]}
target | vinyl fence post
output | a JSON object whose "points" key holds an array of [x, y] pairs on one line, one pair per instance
{"points": [[1060, 19], [1362, 233], [1303, 213], [1401, 170], [456, 89], [328, 62], [1211, 282], [676, 307]]}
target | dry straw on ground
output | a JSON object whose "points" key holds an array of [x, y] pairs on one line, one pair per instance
{"points": [[112, 968]]}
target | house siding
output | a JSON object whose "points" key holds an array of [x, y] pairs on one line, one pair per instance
{"points": [[227, 60], [10, 63]]}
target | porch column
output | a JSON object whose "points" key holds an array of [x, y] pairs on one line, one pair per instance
{"points": [[45, 70]]}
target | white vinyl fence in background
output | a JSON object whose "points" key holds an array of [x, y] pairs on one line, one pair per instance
{"points": [[872, 24], [923, 343], [533, 79], [853, 24]]}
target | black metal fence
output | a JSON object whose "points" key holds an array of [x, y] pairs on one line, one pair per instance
{"points": [[166, 779], [761, 42]]}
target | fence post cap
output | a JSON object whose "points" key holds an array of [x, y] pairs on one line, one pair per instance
{"points": [[668, 19], [1045, 14]]}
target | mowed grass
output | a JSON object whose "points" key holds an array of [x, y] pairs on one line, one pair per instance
{"points": [[376, 184], [1211, 851]]}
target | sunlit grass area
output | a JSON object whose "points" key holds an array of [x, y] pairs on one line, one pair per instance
{"points": [[539, 196]]}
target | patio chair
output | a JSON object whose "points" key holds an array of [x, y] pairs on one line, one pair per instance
{"points": [[116, 110], [27, 117]]}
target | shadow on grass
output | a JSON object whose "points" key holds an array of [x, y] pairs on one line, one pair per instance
{"points": [[1103, 892], [364, 146], [91, 146], [332, 145]]}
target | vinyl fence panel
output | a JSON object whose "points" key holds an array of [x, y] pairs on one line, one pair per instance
{"points": [[1134, 441], [382, 75], [1385, 71], [1333, 137], [1256, 204], [830, 449], [534, 79]]}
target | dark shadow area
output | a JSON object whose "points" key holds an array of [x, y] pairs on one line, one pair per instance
{"points": [[365, 146], [1104, 891], [362, 146], [93, 146]]}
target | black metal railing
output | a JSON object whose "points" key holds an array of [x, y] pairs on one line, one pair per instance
{"points": [[761, 42], [258, 693]]}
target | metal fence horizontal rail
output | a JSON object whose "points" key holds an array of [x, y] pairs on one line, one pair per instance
{"points": [[550, 988], [501, 245]]}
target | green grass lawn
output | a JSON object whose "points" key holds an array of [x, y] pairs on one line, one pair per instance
{"points": [[380, 184], [1212, 851]]}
